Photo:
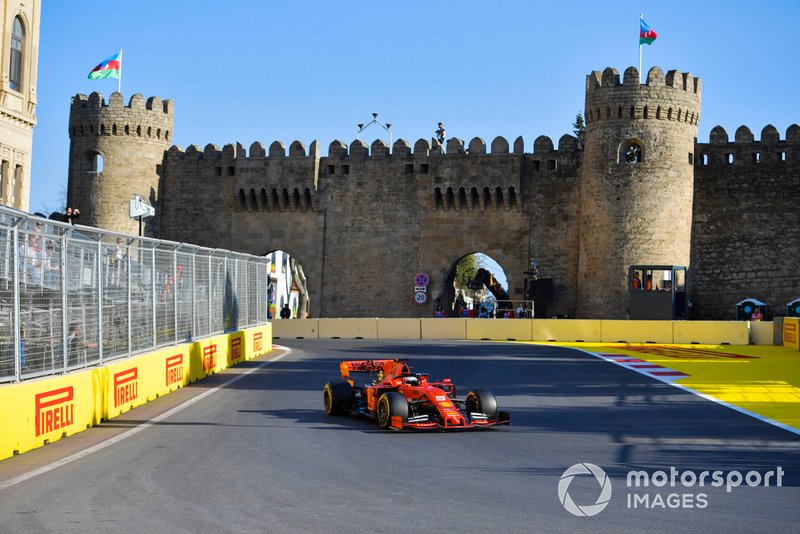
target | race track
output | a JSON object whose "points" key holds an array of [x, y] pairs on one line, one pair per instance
{"points": [[260, 455]]}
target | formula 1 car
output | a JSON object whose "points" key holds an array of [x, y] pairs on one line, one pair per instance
{"points": [[400, 399]]}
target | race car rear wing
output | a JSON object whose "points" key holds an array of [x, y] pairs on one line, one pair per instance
{"points": [[388, 367]]}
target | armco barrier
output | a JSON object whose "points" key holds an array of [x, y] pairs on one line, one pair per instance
{"points": [[636, 331], [711, 332], [43, 411], [348, 328], [399, 329], [568, 330], [504, 329], [296, 328]]}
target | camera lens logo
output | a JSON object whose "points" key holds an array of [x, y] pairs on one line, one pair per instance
{"points": [[589, 509]]}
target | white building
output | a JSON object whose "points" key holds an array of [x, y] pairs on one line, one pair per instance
{"points": [[281, 288], [19, 61]]}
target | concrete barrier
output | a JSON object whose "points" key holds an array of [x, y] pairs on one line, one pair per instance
{"points": [[636, 331], [499, 329], [43, 411], [588, 330], [348, 328], [711, 332], [448, 328], [399, 329], [296, 328], [761, 332]]}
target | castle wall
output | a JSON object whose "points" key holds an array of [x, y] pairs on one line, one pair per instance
{"points": [[746, 230], [363, 220]]}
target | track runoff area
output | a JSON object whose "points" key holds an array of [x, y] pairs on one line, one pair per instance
{"points": [[760, 381]]}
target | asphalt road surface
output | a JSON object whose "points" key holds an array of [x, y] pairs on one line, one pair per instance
{"points": [[260, 455]]}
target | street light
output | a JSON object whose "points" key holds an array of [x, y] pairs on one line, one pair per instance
{"points": [[140, 208], [387, 127]]}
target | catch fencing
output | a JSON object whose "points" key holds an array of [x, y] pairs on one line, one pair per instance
{"points": [[75, 296]]}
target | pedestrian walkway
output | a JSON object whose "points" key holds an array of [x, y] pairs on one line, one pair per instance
{"points": [[763, 381]]}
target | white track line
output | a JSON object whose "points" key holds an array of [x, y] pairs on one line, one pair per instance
{"points": [[739, 409], [135, 430]]}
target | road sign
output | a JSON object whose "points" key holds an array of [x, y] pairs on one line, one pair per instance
{"points": [[420, 297], [421, 288], [421, 280]]}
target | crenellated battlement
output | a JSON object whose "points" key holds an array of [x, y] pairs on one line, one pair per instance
{"points": [[359, 150], [720, 151], [672, 97], [140, 118]]}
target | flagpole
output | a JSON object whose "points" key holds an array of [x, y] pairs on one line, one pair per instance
{"points": [[119, 80], [641, 18]]}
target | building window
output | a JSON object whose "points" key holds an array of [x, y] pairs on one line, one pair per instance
{"points": [[424, 168], [409, 168], [631, 151], [15, 65], [691, 158]]}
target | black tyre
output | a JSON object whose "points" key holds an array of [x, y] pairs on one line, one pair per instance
{"points": [[338, 398], [391, 404], [481, 401]]}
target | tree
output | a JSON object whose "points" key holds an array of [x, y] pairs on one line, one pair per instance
{"points": [[579, 129]]}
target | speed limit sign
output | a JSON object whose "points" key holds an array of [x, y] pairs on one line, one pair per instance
{"points": [[420, 297]]}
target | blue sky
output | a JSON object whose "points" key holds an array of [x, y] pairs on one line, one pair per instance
{"points": [[244, 71]]}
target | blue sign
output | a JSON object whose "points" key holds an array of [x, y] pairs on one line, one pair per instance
{"points": [[421, 280]]}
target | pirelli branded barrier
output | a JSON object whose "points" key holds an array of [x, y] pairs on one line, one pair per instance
{"points": [[791, 332], [42, 411], [562, 330]]}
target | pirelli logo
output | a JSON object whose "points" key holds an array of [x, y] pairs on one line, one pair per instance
{"points": [[210, 357], [257, 343], [789, 333], [54, 410], [236, 348], [126, 386], [174, 369]]}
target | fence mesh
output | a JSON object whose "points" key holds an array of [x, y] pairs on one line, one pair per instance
{"points": [[73, 296]]}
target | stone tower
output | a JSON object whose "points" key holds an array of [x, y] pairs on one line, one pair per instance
{"points": [[636, 182], [116, 152]]}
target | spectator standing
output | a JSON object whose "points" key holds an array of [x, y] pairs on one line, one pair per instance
{"points": [[286, 313], [757, 315], [439, 313], [441, 133]]}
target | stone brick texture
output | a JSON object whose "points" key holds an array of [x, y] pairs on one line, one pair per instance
{"points": [[364, 219]]}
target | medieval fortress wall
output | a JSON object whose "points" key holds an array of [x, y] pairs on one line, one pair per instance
{"points": [[363, 220]]}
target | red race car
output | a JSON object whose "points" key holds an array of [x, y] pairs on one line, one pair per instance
{"points": [[400, 399]]}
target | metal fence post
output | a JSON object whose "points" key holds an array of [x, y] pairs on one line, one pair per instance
{"points": [[194, 295], [153, 286], [100, 300], [17, 362], [64, 315], [130, 305]]}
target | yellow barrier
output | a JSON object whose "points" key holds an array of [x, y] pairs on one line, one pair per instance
{"points": [[42, 411], [761, 332], [566, 330], [296, 328], [711, 332], [636, 331], [444, 328], [502, 329], [791, 329], [348, 328], [399, 329]]}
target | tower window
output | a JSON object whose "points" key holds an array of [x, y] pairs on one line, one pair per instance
{"points": [[705, 160], [691, 158], [756, 157], [729, 159], [631, 151], [15, 65]]}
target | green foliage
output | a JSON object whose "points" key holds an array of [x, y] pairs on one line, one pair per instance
{"points": [[466, 269], [579, 129]]}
